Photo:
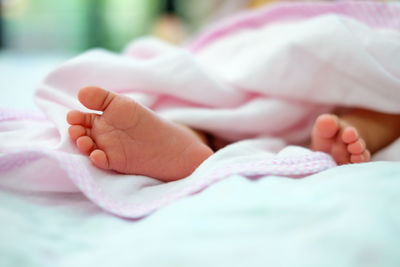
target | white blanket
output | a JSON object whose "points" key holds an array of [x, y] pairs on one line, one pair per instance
{"points": [[263, 76]]}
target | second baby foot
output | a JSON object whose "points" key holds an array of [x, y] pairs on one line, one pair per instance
{"points": [[131, 139], [334, 136]]}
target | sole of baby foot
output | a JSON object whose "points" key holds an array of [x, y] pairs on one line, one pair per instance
{"points": [[131, 139], [342, 141]]}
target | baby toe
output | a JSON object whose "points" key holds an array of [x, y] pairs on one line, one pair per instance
{"points": [[357, 147], [76, 131], [360, 158], [76, 117], [99, 159], [350, 135], [85, 144]]}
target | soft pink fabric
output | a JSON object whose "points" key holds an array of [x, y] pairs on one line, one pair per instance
{"points": [[371, 13], [78, 173], [259, 78], [16, 114]]}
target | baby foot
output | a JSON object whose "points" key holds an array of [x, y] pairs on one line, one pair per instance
{"points": [[340, 140], [129, 138]]}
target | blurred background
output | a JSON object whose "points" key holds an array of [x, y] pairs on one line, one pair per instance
{"points": [[37, 35], [75, 25]]}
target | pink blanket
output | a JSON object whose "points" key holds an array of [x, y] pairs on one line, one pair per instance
{"points": [[261, 77]]}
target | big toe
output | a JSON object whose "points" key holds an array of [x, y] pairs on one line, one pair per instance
{"points": [[95, 98], [327, 125]]}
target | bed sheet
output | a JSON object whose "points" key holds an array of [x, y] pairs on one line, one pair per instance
{"points": [[345, 216]]}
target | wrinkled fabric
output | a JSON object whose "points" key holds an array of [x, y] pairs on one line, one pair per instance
{"points": [[261, 77]]}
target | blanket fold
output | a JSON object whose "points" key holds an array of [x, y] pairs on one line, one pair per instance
{"points": [[262, 77]]}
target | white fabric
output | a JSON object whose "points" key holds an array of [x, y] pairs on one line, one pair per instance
{"points": [[347, 216], [269, 82]]}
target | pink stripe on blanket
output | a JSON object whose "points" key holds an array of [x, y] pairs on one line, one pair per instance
{"points": [[374, 14], [292, 167], [78, 173]]}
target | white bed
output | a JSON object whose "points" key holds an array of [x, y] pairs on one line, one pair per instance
{"points": [[345, 216]]}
